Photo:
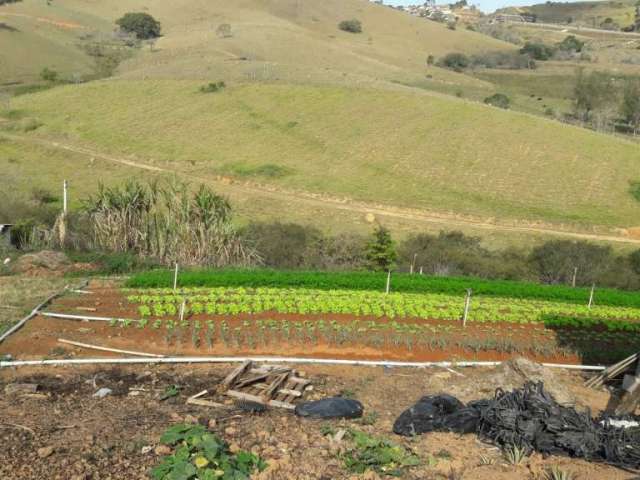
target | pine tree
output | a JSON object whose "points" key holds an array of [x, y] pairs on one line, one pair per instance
{"points": [[381, 250]]}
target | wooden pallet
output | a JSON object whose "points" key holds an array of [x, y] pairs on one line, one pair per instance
{"points": [[272, 385]]}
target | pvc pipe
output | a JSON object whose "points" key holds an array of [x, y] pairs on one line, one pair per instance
{"points": [[67, 316], [107, 349], [318, 361], [33, 313]]}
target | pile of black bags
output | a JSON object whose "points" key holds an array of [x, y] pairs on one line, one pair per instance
{"points": [[528, 418]]}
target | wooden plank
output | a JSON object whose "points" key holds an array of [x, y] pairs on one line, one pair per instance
{"points": [[204, 403], [253, 398], [275, 385], [611, 371], [293, 393], [228, 381], [261, 376]]}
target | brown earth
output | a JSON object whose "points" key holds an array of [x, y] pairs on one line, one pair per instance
{"points": [[82, 437]]}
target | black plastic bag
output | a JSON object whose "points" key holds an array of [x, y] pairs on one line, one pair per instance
{"points": [[427, 415], [334, 407]]}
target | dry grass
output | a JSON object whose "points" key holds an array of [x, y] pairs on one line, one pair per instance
{"points": [[19, 295]]}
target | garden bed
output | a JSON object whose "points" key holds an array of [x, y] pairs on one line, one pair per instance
{"points": [[291, 333]]}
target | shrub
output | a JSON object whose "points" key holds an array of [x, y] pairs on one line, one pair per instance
{"points": [[455, 61], [212, 87], [224, 31], [499, 100], [48, 75], [451, 25], [351, 26], [431, 60], [143, 25], [537, 51], [508, 60], [571, 44]]}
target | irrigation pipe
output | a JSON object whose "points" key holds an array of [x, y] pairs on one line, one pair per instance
{"points": [[107, 349], [316, 361], [85, 318], [36, 311]]}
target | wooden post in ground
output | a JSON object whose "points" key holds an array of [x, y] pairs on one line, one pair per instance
{"points": [[175, 278], [182, 310], [65, 194], [593, 289], [575, 274], [467, 305], [413, 263], [420, 270], [388, 282]]}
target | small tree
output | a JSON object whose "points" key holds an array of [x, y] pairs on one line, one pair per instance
{"points": [[571, 44], [631, 104], [499, 100], [592, 92], [455, 61], [351, 26], [537, 51], [224, 31], [143, 25], [431, 60], [381, 252], [48, 75]]}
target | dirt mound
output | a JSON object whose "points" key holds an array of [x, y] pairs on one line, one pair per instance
{"points": [[44, 263], [514, 373]]}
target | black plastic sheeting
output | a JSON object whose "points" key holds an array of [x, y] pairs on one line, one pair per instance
{"points": [[528, 418], [333, 407]]}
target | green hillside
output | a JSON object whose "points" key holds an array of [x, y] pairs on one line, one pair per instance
{"points": [[316, 125], [398, 148]]}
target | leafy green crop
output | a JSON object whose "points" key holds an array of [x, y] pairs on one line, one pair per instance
{"points": [[203, 456], [376, 282], [378, 454]]}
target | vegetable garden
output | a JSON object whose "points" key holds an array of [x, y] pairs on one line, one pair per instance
{"points": [[313, 314]]}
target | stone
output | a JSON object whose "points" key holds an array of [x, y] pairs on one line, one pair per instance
{"points": [[162, 450], [231, 431], [45, 452]]}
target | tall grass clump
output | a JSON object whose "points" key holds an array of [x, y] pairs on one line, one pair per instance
{"points": [[168, 223]]}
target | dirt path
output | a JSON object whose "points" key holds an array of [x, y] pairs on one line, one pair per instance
{"points": [[323, 201], [50, 21]]}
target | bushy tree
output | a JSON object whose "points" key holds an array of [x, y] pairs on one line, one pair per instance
{"points": [[537, 51], [283, 245], [499, 100], [592, 92], [351, 26], [143, 25], [630, 109], [556, 261], [571, 44], [48, 75], [4, 2], [455, 61], [381, 252]]}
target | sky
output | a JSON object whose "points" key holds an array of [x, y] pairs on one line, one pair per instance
{"points": [[486, 6]]}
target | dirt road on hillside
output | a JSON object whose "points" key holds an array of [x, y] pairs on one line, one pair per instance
{"points": [[318, 200]]}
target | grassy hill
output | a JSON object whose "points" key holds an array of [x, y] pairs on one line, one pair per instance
{"points": [[312, 111], [590, 14], [399, 148]]}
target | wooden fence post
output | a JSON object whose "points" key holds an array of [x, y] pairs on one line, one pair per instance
{"points": [[467, 305], [388, 282], [575, 274], [175, 278]]}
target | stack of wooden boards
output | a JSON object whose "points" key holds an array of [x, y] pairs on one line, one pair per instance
{"points": [[631, 383], [271, 385]]}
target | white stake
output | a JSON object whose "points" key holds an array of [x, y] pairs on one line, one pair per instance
{"points": [[182, 310], [420, 270], [573, 280], [593, 288], [388, 281], [467, 305], [175, 278], [65, 189]]}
